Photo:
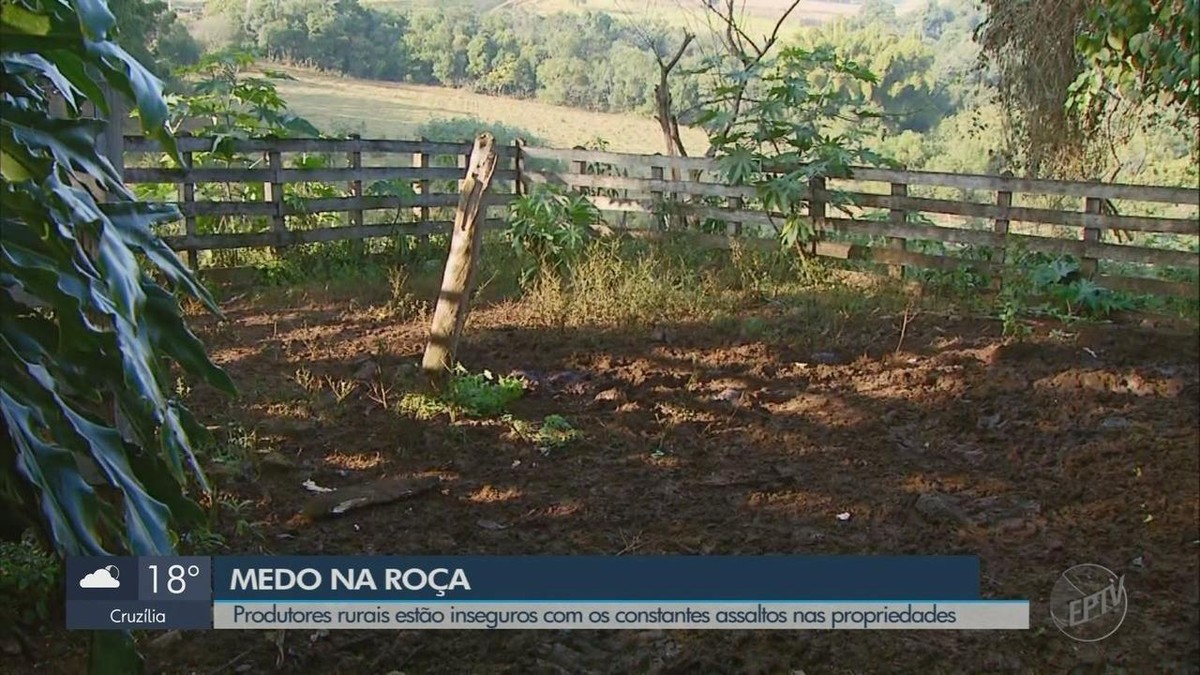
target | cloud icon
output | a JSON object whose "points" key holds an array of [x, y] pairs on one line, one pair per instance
{"points": [[105, 577]]}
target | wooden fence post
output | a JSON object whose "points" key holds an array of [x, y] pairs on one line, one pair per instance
{"points": [[898, 218], [1089, 266], [817, 205], [733, 228], [450, 315], [1000, 227], [273, 193], [187, 196], [580, 168], [113, 140], [659, 199], [356, 185], [519, 187], [422, 160], [693, 220]]}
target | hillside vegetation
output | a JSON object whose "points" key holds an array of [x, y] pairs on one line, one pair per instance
{"points": [[549, 67]]}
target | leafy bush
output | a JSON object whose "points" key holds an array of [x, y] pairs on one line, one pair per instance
{"points": [[801, 122], [1053, 286], [1059, 279], [549, 230], [482, 394], [471, 394], [89, 334], [28, 576]]}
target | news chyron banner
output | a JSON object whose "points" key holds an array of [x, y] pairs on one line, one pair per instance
{"points": [[535, 592]]}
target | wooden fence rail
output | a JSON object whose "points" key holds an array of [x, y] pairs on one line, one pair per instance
{"points": [[894, 218]]}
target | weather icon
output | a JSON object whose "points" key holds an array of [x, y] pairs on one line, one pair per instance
{"points": [[105, 577]]}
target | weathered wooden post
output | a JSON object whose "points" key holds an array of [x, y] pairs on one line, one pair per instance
{"points": [[733, 228], [422, 160], [519, 187], [1000, 227], [273, 193], [817, 201], [356, 185], [1089, 266], [356, 217], [187, 199], [898, 218], [450, 315], [112, 142], [658, 199]]}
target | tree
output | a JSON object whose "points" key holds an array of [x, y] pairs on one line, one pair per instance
{"points": [[1074, 87], [1148, 46], [906, 91], [666, 57], [803, 127], [876, 11], [153, 35], [89, 336]]}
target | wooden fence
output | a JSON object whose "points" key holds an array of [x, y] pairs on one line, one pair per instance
{"points": [[1126, 237]]}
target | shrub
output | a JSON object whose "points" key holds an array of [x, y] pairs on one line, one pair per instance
{"points": [[549, 230], [28, 574]]}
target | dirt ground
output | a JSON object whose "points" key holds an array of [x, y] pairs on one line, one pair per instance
{"points": [[1077, 445]]}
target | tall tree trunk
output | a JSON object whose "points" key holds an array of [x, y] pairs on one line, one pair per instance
{"points": [[668, 121]]}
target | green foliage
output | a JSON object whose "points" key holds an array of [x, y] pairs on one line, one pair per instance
{"points": [[556, 431], [228, 101], [85, 323], [342, 36], [89, 335], [225, 99], [553, 433], [903, 89], [549, 230], [1052, 286], [471, 394], [1147, 49], [28, 577], [482, 394], [1090, 75], [153, 35], [799, 122], [589, 60]]}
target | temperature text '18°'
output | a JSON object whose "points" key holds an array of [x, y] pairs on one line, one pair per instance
{"points": [[177, 576]]}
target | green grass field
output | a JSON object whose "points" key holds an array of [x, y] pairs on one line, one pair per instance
{"points": [[392, 110]]}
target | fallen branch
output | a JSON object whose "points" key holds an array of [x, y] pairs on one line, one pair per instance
{"points": [[382, 491]]}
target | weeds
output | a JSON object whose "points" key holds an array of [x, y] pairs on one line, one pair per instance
{"points": [[483, 394], [421, 406], [627, 284], [379, 393], [479, 395], [307, 381], [236, 453], [223, 511], [341, 389], [1053, 287], [402, 304], [554, 432]]}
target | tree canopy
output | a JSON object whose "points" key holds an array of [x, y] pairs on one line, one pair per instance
{"points": [[1089, 70]]}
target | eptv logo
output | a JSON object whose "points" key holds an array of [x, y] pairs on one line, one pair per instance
{"points": [[1089, 602]]}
